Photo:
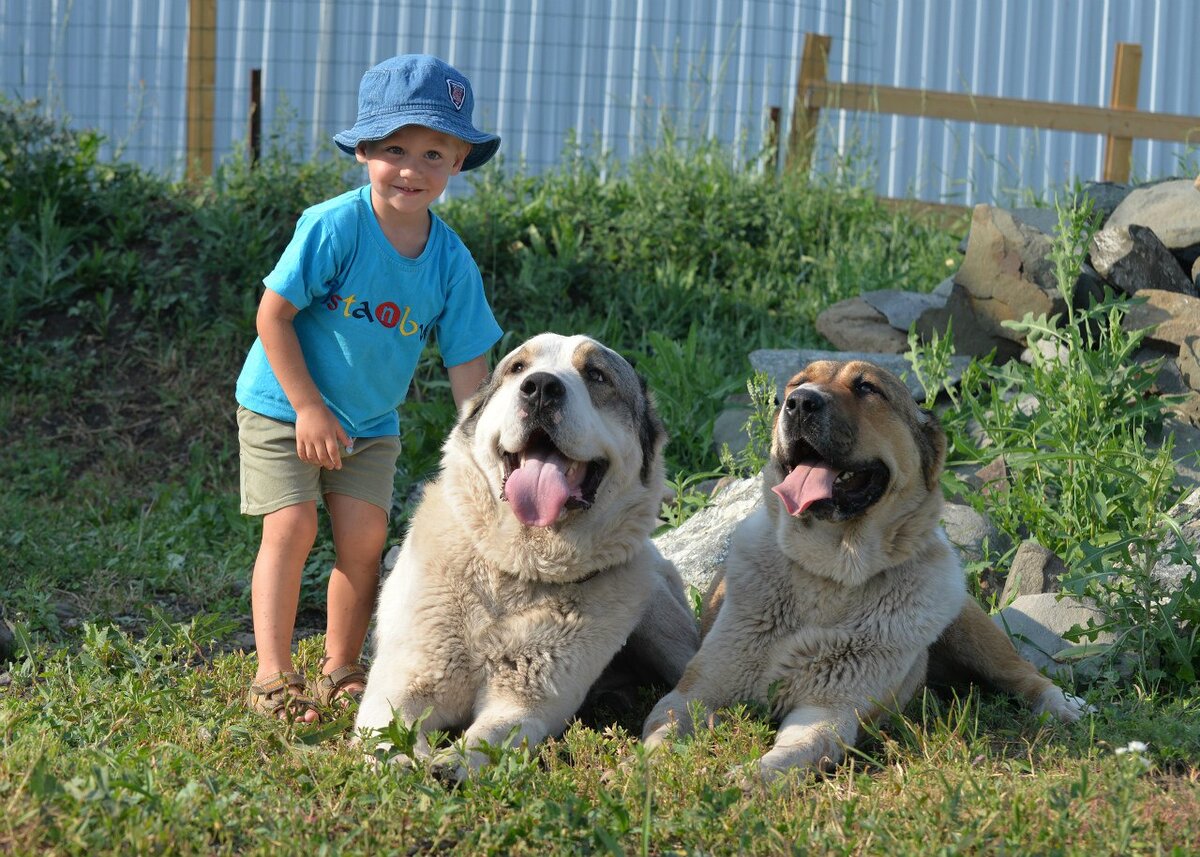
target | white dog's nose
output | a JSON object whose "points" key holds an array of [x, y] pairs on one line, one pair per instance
{"points": [[541, 389]]}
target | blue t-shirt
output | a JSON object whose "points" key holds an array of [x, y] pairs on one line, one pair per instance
{"points": [[365, 312]]}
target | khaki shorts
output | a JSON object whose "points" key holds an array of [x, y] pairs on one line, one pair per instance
{"points": [[274, 477]]}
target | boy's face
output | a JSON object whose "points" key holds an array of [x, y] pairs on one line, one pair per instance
{"points": [[410, 169]]}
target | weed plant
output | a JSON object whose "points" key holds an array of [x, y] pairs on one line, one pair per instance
{"points": [[1086, 471], [129, 306]]}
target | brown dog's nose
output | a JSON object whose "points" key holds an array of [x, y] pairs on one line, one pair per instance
{"points": [[805, 400]]}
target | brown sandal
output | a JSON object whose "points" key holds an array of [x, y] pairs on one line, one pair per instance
{"points": [[286, 694], [327, 687]]}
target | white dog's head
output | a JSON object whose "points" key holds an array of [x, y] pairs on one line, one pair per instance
{"points": [[569, 443]]}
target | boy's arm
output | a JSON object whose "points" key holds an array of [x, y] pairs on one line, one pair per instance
{"points": [[317, 429], [465, 378]]}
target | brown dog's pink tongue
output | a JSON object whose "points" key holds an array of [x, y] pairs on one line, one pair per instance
{"points": [[805, 485], [538, 490]]}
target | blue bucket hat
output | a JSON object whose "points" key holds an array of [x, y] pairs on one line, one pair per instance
{"points": [[417, 89]]}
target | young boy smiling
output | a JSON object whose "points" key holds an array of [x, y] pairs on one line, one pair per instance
{"points": [[345, 315]]}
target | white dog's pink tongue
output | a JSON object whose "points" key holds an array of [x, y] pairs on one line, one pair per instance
{"points": [[805, 485], [538, 490]]}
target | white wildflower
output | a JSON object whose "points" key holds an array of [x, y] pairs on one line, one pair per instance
{"points": [[1135, 749]]}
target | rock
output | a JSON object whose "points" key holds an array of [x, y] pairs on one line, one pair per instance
{"points": [[1089, 288], [1044, 220], [1050, 351], [243, 641], [944, 288], [902, 309], [1196, 274], [992, 478], [1036, 624], [699, 546], [8, 643], [730, 425], [1172, 576], [971, 337], [1185, 450], [1034, 570], [1132, 258], [855, 325], [1188, 411], [968, 530], [1169, 379], [781, 364], [1187, 510], [1007, 272], [1105, 197], [1173, 316], [1188, 362], [1170, 208]]}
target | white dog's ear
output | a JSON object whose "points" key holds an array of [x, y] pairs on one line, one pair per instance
{"points": [[473, 407], [652, 434]]}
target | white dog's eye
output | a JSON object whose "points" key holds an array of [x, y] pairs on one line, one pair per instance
{"points": [[516, 367]]}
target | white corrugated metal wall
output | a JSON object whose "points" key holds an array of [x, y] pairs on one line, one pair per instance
{"points": [[608, 69]]}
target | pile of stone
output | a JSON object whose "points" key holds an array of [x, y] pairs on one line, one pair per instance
{"points": [[1148, 246]]}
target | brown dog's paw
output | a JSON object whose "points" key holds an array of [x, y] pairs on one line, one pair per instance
{"points": [[1061, 705]]}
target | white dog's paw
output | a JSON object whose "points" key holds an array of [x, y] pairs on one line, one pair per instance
{"points": [[450, 766], [657, 740], [747, 777], [1061, 705], [385, 754], [754, 777], [793, 762], [820, 755]]}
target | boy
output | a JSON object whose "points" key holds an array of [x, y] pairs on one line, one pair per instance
{"points": [[367, 276]]}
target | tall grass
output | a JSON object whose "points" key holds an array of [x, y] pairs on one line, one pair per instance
{"points": [[125, 561]]}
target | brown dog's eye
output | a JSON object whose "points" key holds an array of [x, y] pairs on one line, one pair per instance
{"points": [[863, 387], [596, 376]]}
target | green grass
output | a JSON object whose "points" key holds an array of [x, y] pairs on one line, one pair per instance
{"points": [[127, 308], [124, 746]]}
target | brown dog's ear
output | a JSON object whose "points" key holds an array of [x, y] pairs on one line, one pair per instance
{"points": [[931, 439]]}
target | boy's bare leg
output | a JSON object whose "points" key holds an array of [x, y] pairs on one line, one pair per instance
{"points": [[287, 537], [359, 534]]}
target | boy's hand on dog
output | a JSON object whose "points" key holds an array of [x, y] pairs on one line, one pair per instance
{"points": [[318, 434]]}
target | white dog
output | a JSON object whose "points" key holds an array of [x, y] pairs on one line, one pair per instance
{"points": [[528, 564]]}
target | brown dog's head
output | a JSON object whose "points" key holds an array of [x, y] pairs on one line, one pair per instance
{"points": [[848, 436]]}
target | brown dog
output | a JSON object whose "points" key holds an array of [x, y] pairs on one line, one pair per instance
{"points": [[841, 586]]}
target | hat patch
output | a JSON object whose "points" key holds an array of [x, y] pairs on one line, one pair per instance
{"points": [[458, 93]]}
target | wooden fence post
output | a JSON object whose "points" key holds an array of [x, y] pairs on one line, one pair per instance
{"points": [[814, 68], [772, 144], [1127, 70], [254, 117], [201, 85]]}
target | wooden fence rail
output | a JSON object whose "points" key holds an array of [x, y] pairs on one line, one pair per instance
{"points": [[1119, 122]]}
